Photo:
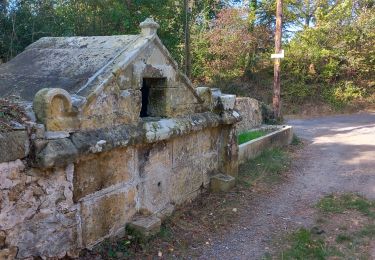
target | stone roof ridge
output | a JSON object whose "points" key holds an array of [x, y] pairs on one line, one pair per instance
{"points": [[79, 42], [103, 69], [148, 34]]}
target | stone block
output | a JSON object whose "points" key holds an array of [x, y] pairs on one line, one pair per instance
{"points": [[129, 107], [251, 113], [99, 171], [13, 145], [228, 155], [2, 238], [180, 95], [155, 170], [53, 107], [112, 107], [154, 158], [144, 227], [106, 215], [208, 140], [208, 164], [206, 95], [8, 253], [228, 101], [185, 180], [56, 153], [124, 78], [47, 235], [11, 173], [157, 102], [155, 192], [184, 149], [181, 101], [178, 110], [39, 131], [166, 212], [221, 182], [50, 135]]}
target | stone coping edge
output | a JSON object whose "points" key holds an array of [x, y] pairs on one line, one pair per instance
{"points": [[60, 152], [282, 135]]}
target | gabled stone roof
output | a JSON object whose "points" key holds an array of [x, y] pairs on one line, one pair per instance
{"points": [[63, 62]]}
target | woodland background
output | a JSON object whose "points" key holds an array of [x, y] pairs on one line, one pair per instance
{"points": [[329, 44]]}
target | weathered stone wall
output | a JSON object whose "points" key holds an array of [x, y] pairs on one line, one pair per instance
{"points": [[251, 113], [88, 161], [58, 208], [13, 145], [37, 213]]}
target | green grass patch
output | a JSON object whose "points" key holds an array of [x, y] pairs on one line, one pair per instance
{"points": [[340, 203], [165, 232], [251, 135], [303, 245], [336, 215], [340, 238], [268, 166], [367, 231], [296, 140]]}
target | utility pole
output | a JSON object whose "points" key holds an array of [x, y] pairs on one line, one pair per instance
{"points": [[277, 69], [187, 58]]}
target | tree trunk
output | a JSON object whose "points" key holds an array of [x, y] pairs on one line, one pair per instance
{"points": [[253, 8], [307, 13], [187, 58], [277, 70]]}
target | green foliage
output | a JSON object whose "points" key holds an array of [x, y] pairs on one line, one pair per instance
{"points": [[343, 93], [251, 135], [343, 238], [166, 232], [268, 167], [335, 221], [23, 22], [305, 246], [110, 249], [229, 48], [267, 114], [339, 203], [367, 231], [347, 91], [296, 92], [333, 60], [296, 140]]}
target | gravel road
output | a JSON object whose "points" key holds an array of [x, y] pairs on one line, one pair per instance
{"points": [[339, 157]]}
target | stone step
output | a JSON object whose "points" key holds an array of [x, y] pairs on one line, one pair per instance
{"points": [[222, 182], [144, 227]]}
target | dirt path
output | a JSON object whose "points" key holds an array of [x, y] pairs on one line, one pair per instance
{"points": [[339, 157]]}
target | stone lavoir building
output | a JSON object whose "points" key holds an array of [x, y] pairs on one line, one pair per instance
{"points": [[115, 131]]}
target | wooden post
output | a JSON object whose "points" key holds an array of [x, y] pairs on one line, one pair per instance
{"points": [[187, 58], [277, 69]]}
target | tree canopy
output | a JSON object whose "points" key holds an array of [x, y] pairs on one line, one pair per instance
{"points": [[329, 44]]}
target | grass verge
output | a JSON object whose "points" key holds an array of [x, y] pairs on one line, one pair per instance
{"points": [[267, 167], [345, 230], [340, 203]]}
